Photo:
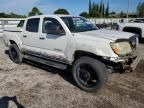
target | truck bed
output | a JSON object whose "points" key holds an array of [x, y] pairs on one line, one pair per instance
{"points": [[13, 29]]}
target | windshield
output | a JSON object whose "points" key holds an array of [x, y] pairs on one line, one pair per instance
{"points": [[78, 24]]}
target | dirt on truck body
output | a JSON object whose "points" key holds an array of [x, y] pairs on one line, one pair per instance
{"points": [[32, 86]]}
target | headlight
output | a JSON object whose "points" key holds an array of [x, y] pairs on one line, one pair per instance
{"points": [[121, 48]]}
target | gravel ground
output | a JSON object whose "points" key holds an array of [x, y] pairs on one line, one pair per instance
{"points": [[31, 86]]}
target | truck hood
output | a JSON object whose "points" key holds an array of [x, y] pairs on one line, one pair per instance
{"points": [[108, 34]]}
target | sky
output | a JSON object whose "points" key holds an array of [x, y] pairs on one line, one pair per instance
{"points": [[75, 7]]}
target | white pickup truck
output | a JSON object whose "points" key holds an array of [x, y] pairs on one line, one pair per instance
{"points": [[65, 41], [135, 26]]}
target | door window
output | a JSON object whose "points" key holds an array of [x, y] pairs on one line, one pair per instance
{"points": [[52, 26], [32, 25]]}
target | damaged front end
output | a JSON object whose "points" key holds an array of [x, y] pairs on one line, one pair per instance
{"points": [[127, 59], [129, 64]]}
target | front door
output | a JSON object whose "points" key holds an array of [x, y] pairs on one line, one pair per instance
{"points": [[53, 38]]}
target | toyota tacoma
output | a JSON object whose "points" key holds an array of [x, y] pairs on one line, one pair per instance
{"points": [[64, 41]]}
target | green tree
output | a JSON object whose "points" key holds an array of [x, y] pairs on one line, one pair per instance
{"points": [[84, 14], [90, 6], [103, 10], [140, 9], [61, 11], [94, 10], [122, 14], [107, 11], [98, 9], [35, 11], [11, 15], [2, 15]]}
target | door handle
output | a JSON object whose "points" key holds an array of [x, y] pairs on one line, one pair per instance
{"points": [[24, 36], [41, 38]]}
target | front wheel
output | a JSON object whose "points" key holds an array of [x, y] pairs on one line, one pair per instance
{"points": [[89, 74], [15, 54]]}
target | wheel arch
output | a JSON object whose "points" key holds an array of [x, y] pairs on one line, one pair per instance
{"points": [[14, 42], [80, 53]]}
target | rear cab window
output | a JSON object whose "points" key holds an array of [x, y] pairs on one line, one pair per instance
{"points": [[33, 25], [21, 23]]}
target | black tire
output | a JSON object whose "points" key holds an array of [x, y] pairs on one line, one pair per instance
{"points": [[15, 54], [91, 70]]}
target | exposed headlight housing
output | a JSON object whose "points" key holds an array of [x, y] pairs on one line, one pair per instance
{"points": [[121, 48], [134, 42]]}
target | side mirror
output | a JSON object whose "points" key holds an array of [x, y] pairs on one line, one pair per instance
{"points": [[62, 32]]}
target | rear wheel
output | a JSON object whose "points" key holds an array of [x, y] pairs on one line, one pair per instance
{"points": [[15, 54], [89, 74]]}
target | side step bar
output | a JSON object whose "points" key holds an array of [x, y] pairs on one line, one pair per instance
{"points": [[46, 62], [135, 63]]}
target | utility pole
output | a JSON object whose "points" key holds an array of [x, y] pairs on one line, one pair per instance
{"points": [[128, 9]]}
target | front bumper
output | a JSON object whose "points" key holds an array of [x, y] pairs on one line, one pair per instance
{"points": [[136, 61], [127, 63], [122, 59]]}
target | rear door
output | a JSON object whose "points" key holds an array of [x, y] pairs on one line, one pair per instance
{"points": [[30, 36]]}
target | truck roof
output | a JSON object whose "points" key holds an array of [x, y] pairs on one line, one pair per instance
{"points": [[59, 15]]}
